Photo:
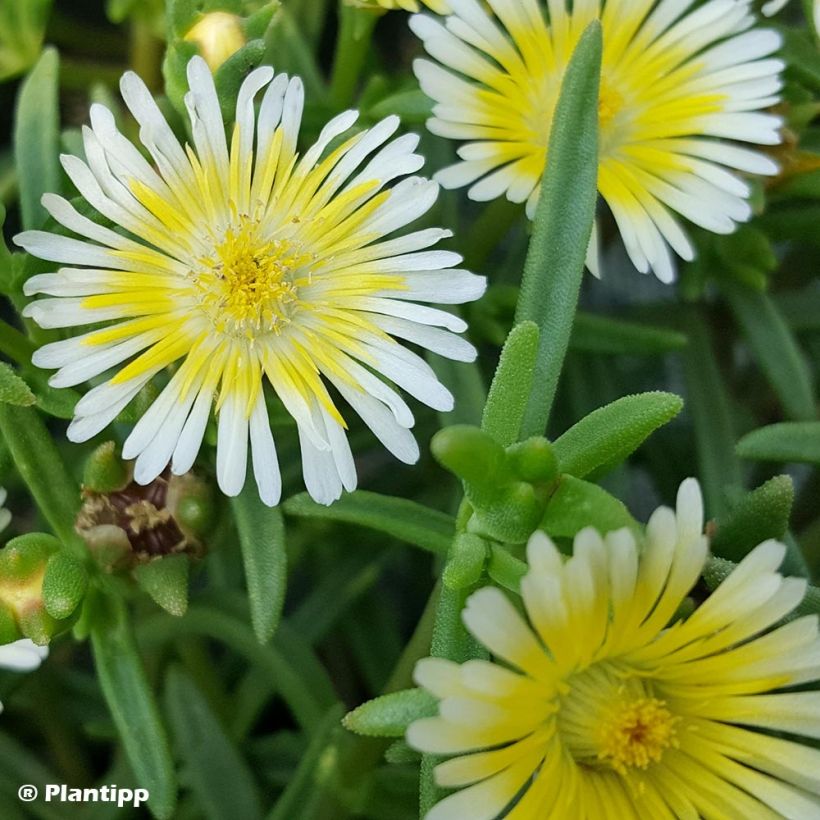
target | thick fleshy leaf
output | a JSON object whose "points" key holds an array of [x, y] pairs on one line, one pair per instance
{"points": [[390, 715], [512, 383], [790, 442], [609, 435], [757, 516], [563, 224]]}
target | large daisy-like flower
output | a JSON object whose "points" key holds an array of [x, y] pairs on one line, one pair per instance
{"points": [[612, 704], [243, 263], [673, 83]]}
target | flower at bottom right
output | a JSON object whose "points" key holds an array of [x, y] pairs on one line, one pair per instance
{"points": [[605, 700]]}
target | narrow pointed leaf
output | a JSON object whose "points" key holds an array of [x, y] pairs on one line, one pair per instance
{"points": [[563, 224], [132, 705], [262, 539], [390, 715], [609, 435], [510, 390], [166, 581], [791, 442], [398, 517], [775, 349], [37, 138], [214, 769]]}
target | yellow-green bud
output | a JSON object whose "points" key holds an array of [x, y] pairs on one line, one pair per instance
{"points": [[217, 35], [23, 564]]}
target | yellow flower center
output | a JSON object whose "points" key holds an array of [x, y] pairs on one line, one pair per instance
{"points": [[249, 287], [608, 719], [636, 733]]}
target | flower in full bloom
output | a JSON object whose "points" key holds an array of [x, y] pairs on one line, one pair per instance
{"points": [[21, 656], [674, 85], [238, 264], [611, 704]]}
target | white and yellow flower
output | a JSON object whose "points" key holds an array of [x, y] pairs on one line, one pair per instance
{"points": [[679, 88], [606, 703], [238, 263], [438, 6]]}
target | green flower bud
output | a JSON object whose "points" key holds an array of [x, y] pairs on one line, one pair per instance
{"points": [[23, 563], [533, 461], [104, 472]]}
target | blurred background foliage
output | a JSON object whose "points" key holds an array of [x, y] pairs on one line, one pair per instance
{"points": [[254, 727]]}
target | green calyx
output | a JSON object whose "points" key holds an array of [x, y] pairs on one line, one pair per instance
{"points": [[40, 587], [104, 471], [508, 488]]}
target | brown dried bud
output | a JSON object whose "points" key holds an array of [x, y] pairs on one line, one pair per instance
{"points": [[138, 524]]}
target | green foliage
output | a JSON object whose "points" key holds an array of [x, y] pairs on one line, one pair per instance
{"points": [[607, 437], [576, 504], [22, 25], [13, 390], [555, 264], [262, 539], [214, 769], [36, 138], [166, 581], [406, 520], [791, 441], [511, 387], [757, 516], [390, 715], [131, 702], [64, 585]]}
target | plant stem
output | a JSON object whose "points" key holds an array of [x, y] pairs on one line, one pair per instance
{"points": [[352, 44], [15, 344], [45, 473]]}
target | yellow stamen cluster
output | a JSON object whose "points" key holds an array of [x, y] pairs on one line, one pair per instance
{"points": [[249, 286], [636, 733]]}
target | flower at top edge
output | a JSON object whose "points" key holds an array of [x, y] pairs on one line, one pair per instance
{"points": [[680, 89], [249, 270], [605, 702]]}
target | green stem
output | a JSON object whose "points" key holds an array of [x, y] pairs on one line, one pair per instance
{"points": [[352, 45], [15, 344], [45, 473]]}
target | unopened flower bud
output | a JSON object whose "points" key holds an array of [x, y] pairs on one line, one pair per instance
{"points": [[23, 564], [218, 35]]}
